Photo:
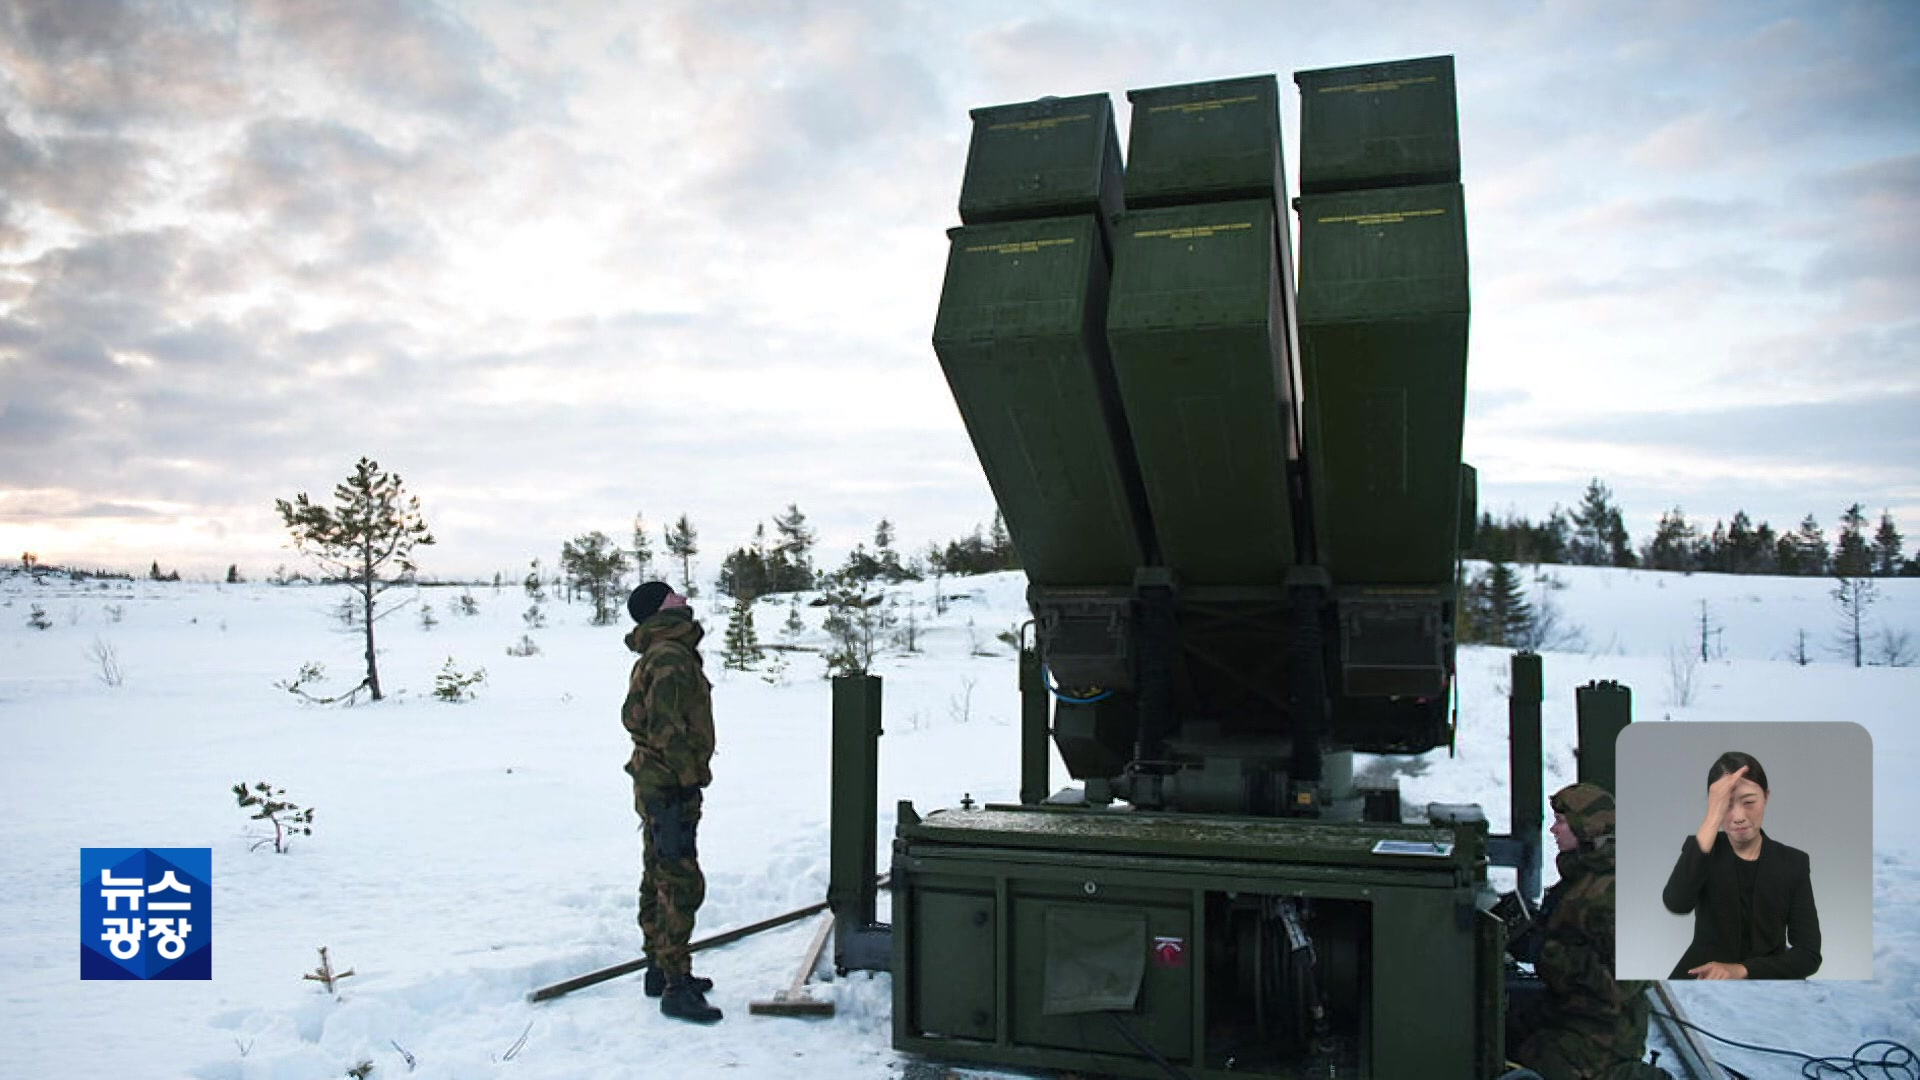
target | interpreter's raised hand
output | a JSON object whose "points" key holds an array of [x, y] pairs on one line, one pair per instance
{"points": [[1719, 805]]}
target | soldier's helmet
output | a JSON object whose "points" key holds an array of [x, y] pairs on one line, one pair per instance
{"points": [[1588, 809]]}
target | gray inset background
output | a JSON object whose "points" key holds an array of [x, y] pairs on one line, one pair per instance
{"points": [[1820, 781]]}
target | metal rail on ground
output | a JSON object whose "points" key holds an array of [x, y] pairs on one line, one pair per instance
{"points": [[641, 963], [1691, 1058]]}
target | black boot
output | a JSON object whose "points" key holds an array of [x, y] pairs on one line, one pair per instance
{"points": [[684, 1000], [656, 982]]}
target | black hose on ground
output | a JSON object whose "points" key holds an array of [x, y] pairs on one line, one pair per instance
{"points": [[1892, 1060]]}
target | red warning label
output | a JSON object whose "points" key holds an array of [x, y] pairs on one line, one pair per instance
{"points": [[1170, 952]]}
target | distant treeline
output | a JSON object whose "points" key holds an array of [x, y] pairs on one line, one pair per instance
{"points": [[784, 563], [1592, 534], [31, 564]]}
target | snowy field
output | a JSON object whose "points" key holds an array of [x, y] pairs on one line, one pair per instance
{"points": [[465, 854]]}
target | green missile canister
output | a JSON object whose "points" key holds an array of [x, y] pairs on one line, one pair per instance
{"points": [[1383, 308], [1205, 142], [1020, 335], [1378, 125], [1047, 158], [1383, 327], [1197, 334]]}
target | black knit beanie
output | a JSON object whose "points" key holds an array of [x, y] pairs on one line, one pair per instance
{"points": [[647, 599]]}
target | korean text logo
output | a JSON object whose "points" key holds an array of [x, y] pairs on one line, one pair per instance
{"points": [[146, 913]]}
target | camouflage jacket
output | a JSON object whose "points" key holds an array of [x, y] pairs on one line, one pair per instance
{"points": [[669, 705], [1576, 948]]}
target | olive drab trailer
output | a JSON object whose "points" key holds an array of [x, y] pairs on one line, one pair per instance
{"points": [[1240, 503]]}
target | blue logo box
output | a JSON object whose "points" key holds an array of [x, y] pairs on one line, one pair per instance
{"points": [[146, 913]]}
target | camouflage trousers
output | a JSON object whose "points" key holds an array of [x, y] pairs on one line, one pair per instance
{"points": [[671, 885], [1563, 1053]]}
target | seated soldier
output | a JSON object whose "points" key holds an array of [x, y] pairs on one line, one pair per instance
{"points": [[1584, 1025]]}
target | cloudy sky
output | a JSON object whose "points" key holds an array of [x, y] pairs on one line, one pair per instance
{"points": [[557, 263]]}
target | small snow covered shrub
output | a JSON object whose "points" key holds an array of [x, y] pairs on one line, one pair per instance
{"points": [[37, 618], [311, 673], [103, 655], [526, 646], [454, 685], [286, 817], [329, 978]]}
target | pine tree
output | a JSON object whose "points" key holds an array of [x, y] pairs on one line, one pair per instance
{"points": [[886, 556], [861, 568], [763, 578], [1619, 544], [1004, 555], [593, 562], [1472, 621], [1709, 633], [790, 563], [745, 571], [1800, 655], [1673, 543], [976, 553], [1766, 552], [1852, 557], [742, 648], [1853, 596], [853, 624], [1742, 554], [1494, 609], [1593, 527], [1711, 552], [365, 541], [642, 548], [907, 635], [683, 543], [1490, 538], [1509, 617], [1548, 540], [1786, 554], [233, 574], [937, 566], [1810, 555], [1887, 544]]}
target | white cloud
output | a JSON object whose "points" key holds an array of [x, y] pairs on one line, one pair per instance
{"points": [[561, 263]]}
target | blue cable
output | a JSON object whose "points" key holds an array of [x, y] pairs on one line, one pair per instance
{"points": [[1046, 677]]}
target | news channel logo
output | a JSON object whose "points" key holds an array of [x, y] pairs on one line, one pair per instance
{"points": [[146, 913]]}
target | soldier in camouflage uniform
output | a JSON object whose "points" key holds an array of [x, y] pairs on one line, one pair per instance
{"points": [[1586, 1025], [669, 713]]}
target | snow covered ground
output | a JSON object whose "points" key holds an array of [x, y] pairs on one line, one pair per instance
{"points": [[464, 854]]}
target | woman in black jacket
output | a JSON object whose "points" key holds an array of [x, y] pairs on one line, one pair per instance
{"points": [[1751, 895]]}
